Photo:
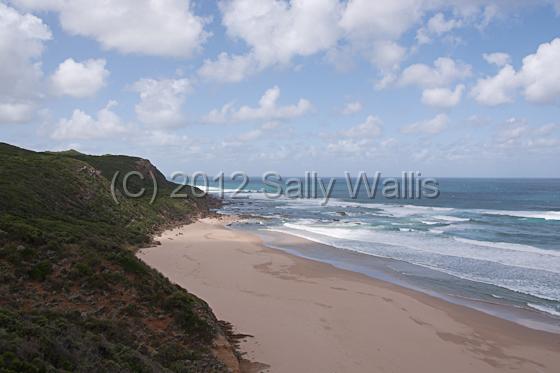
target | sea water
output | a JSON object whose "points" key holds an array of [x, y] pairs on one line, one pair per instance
{"points": [[495, 241]]}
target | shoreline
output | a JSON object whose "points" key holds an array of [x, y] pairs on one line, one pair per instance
{"points": [[306, 315], [301, 246]]}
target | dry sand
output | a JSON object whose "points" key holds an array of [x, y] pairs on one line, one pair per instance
{"points": [[311, 317]]}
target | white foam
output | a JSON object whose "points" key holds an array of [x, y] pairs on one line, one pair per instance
{"points": [[521, 270], [509, 246], [546, 215], [522, 256], [428, 222], [549, 310], [396, 210], [452, 219]]}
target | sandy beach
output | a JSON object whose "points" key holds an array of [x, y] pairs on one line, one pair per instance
{"points": [[307, 316]]}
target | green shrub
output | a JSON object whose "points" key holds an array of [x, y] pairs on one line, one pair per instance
{"points": [[40, 271]]}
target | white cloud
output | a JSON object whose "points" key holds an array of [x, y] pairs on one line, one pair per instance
{"points": [[517, 134], [437, 25], [252, 135], [161, 101], [443, 97], [387, 55], [498, 89], [357, 140], [220, 115], [374, 28], [79, 79], [160, 28], [498, 58], [229, 68], [350, 146], [368, 129], [276, 31], [444, 72], [540, 74], [352, 108], [376, 20], [267, 109], [422, 36], [22, 38], [157, 137], [430, 126], [538, 79], [82, 126], [15, 112]]}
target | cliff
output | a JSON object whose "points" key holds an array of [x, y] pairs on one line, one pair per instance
{"points": [[73, 296]]}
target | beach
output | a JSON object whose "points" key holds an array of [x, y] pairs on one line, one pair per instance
{"points": [[307, 316]]}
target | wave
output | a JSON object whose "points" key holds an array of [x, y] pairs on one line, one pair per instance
{"points": [[451, 219], [429, 222], [546, 215], [389, 209], [510, 246], [503, 253], [549, 310], [521, 268], [537, 283], [406, 210]]}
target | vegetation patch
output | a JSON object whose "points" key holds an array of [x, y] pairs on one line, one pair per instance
{"points": [[73, 296]]}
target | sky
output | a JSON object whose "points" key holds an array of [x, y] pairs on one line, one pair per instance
{"points": [[460, 88]]}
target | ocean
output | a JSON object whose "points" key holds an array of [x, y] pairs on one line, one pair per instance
{"points": [[492, 244]]}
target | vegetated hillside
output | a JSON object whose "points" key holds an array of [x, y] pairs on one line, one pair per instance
{"points": [[73, 297]]}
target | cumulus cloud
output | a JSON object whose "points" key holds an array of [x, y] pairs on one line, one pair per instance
{"points": [[443, 72], [161, 28], [356, 140], [538, 79], [387, 55], [275, 32], [364, 20], [229, 68], [431, 126], [498, 89], [22, 38], [79, 79], [352, 107], [540, 74], [373, 29], [368, 129], [16, 112], [443, 97], [82, 126], [268, 109], [498, 58], [437, 25], [161, 101]]}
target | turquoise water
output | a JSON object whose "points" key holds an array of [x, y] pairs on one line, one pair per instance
{"points": [[493, 240]]}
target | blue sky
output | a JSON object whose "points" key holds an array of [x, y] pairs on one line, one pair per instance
{"points": [[455, 88]]}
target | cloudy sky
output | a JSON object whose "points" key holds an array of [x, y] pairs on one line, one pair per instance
{"points": [[448, 88]]}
